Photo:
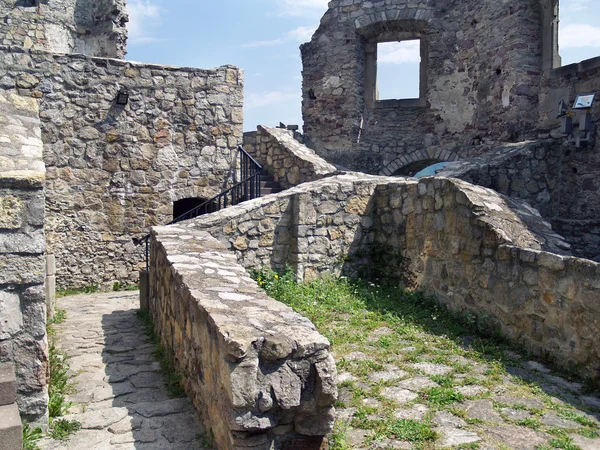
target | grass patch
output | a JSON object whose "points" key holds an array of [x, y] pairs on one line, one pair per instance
{"points": [[90, 289], [59, 384], [118, 287], [62, 429], [31, 436], [441, 396], [407, 430], [173, 380]]}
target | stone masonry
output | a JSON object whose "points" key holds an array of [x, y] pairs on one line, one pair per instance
{"points": [[480, 80], [474, 249], [259, 373], [290, 162], [112, 172], [91, 27], [22, 248]]}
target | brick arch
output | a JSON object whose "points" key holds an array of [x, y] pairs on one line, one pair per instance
{"points": [[416, 156]]}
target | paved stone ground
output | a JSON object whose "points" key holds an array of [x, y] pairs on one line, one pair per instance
{"points": [[517, 404], [120, 398]]}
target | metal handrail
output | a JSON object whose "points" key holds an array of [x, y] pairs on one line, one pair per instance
{"points": [[247, 189]]}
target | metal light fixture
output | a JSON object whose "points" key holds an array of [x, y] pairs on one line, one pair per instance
{"points": [[122, 97]]}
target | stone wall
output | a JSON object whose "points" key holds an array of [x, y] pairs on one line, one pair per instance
{"points": [[260, 374], [473, 248], [480, 86], [112, 172], [541, 173], [22, 265], [91, 27], [466, 245], [288, 161], [578, 216], [309, 228]]}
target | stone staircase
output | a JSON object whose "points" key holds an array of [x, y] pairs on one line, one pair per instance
{"points": [[268, 185], [11, 429]]}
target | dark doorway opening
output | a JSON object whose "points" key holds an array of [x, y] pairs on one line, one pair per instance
{"points": [[180, 207]]}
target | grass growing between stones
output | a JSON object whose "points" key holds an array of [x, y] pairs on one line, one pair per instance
{"points": [[31, 436], [173, 380], [412, 372], [59, 384]]}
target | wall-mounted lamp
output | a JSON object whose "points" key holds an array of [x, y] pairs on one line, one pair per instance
{"points": [[122, 97]]}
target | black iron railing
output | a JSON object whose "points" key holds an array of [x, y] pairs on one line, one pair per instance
{"points": [[247, 189]]}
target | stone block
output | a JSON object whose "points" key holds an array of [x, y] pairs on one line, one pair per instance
{"points": [[8, 384], [11, 212], [11, 318], [11, 429]]}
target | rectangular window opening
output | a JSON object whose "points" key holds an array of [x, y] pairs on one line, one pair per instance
{"points": [[399, 70]]}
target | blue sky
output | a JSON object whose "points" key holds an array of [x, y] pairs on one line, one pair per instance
{"points": [[263, 38]]}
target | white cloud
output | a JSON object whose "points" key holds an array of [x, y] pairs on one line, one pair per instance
{"points": [[142, 13], [261, 99], [300, 34], [567, 6], [579, 35], [399, 52], [303, 7]]}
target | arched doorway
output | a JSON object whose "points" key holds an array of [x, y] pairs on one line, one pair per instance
{"points": [[180, 207], [423, 168]]}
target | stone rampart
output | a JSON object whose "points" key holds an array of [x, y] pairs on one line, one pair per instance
{"points": [[91, 27], [259, 373], [22, 265], [474, 249], [114, 171], [290, 162]]}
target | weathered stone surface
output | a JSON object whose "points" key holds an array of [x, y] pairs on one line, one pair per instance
{"points": [[516, 437], [291, 162], [258, 364], [398, 395]]}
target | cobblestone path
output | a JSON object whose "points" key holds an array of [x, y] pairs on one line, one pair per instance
{"points": [[468, 402], [120, 398]]}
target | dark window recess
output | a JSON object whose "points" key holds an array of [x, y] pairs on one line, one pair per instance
{"points": [[180, 207], [28, 3]]}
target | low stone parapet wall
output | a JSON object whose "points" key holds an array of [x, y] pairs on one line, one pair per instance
{"points": [[478, 251], [290, 162], [260, 374], [474, 249]]}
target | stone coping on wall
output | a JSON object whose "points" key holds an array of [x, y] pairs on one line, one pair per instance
{"points": [[259, 373], [576, 68], [112, 61], [290, 162]]}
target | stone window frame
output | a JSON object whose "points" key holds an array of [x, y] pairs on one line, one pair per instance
{"points": [[371, 91]]}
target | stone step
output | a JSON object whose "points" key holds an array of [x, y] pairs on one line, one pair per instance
{"points": [[11, 429], [8, 384]]}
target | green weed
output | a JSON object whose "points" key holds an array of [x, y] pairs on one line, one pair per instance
{"points": [[31, 436], [62, 429]]}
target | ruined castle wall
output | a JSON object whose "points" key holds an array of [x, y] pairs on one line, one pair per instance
{"points": [[113, 172], [22, 264], [288, 161], [92, 27], [481, 83], [259, 373], [474, 249]]}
